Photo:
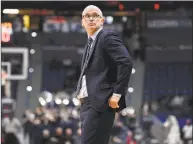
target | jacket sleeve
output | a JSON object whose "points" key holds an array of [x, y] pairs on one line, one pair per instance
{"points": [[114, 47]]}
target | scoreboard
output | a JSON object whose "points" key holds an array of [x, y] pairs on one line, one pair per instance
{"points": [[6, 32]]}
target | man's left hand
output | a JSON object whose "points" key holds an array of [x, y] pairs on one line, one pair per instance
{"points": [[113, 101]]}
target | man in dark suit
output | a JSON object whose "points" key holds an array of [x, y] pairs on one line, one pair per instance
{"points": [[105, 73]]}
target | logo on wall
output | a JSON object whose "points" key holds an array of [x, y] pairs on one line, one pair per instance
{"points": [[169, 23]]}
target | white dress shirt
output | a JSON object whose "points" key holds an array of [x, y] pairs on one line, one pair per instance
{"points": [[83, 91]]}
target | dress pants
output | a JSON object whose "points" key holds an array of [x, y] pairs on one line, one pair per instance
{"points": [[96, 126]]}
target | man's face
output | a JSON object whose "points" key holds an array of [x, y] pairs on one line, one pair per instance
{"points": [[91, 19], [59, 131], [68, 131]]}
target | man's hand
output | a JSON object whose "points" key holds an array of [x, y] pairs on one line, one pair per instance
{"points": [[113, 101]]}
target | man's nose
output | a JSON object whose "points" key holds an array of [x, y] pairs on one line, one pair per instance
{"points": [[91, 19]]}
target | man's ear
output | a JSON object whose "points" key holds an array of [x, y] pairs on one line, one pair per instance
{"points": [[103, 20]]}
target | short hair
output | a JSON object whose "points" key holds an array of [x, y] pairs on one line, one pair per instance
{"points": [[93, 7]]}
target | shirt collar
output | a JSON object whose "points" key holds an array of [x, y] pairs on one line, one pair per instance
{"points": [[96, 33]]}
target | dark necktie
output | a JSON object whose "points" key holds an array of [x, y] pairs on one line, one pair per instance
{"points": [[87, 53], [84, 64]]}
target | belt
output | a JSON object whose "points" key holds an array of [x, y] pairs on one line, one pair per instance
{"points": [[82, 100]]}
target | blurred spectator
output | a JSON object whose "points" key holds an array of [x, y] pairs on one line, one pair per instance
{"points": [[45, 137], [11, 126], [58, 138], [130, 138], [119, 133], [77, 137], [68, 136], [130, 121], [154, 106], [147, 124], [38, 112], [36, 131], [177, 101], [128, 116], [187, 132], [173, 136], [146, 107], [26, 122]]}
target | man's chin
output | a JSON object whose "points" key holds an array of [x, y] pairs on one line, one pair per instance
{"points": [[92, 28]]}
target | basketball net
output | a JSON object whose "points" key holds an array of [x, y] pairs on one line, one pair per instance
{"points": [[3, 77]]}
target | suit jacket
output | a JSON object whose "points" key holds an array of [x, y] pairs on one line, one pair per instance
{"points": [[108, 70]]}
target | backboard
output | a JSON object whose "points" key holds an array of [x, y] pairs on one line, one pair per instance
{"points": [[15, 62]]}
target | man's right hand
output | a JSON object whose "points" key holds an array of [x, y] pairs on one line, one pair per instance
{"points": [[113, 102]]}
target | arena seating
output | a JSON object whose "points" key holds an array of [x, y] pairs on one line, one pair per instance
{"points": [[166, 80], [169, 79]]}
